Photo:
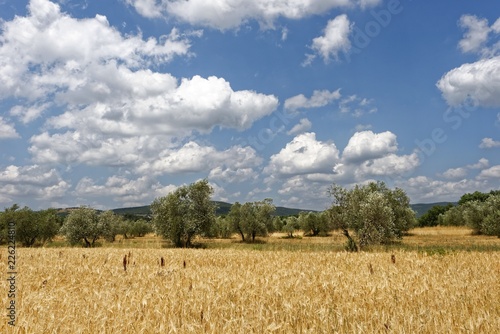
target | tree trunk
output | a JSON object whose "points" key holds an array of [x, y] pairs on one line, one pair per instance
{"points": [[351, 244], [87, 243], [242, 235]]}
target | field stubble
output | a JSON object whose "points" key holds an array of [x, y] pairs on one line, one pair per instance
{"points": [[72, 290]]}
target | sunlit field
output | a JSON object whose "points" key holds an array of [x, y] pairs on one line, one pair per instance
{"points": [[230, 287]]}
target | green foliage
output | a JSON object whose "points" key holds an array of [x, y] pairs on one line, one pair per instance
{"points": [[49, 223], [453, 217], [252, 219], [291, 225], [479, 211], [431, 217], [83, 224], [377, 214], [475, 196], [185, 213], [111, 225], [139, 228], [491, 221], [314, 223], [222, 228], [31, 227]]}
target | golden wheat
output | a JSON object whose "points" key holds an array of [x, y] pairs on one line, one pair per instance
{"points": [[74, 290]]}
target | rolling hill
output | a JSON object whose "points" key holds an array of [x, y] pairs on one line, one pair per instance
{"points": [[222, 209]]}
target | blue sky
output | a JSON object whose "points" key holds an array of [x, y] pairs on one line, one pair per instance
{"points": [[113, 103]]}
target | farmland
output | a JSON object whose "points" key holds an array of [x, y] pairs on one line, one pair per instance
{"points": [[279, 285]]}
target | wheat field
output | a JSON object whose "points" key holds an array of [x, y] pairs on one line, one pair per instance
{"points": [[72, 290]]}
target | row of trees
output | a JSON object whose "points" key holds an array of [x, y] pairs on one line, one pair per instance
{"points": [[88, 225], [82, 225], [482, 215], [477, 210], [375, 213], [31, 226], [366, 214]]}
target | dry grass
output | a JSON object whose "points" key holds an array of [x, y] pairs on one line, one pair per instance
{"points": [[72, 290]]}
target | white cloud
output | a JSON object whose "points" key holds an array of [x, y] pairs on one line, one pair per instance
{"points": [[230, 14], [7, 130], [304, 155], [28, 114], [461, 172], [390, 164], [423, 189], [362, 127], [300, 191], [357, 106], [232, 163], [320, 98], [482, 163], [479, 81], [455, 173], [367, 145], [303, 126], [123, 191], [476, 35], [489, 143], [490, 173], [34, 181], [335, 39], [51, 65]]}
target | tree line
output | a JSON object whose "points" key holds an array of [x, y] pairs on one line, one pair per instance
{"points": [[477, 210], [82, 225], [374, 214], [366, 215]]}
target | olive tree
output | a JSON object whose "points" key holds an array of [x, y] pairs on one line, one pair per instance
{"points": [[314, 223], [32, 226], [374, 212], [184, 213], [291, 225], [83, 224]]}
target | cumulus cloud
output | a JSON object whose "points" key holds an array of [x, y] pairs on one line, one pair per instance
{"points": [[489, 143], [230, 14], [423, 189], [7, 130], [122, 190], [307, 165], [477, 82], [319, 98], [367, 145], [51, 65], [115, 110], [455, 173], [476, 34], [335, 39], [28, 114], [304, 155], [482, 163], [462, 172], [42, 183], [490, 173], [235, 163], [303, 126]]}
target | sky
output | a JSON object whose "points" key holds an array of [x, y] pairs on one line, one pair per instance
{"points": [[115, 103]]}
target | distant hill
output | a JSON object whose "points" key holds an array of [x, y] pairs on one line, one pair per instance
{"points": [[222, 209], [422, 208]]}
